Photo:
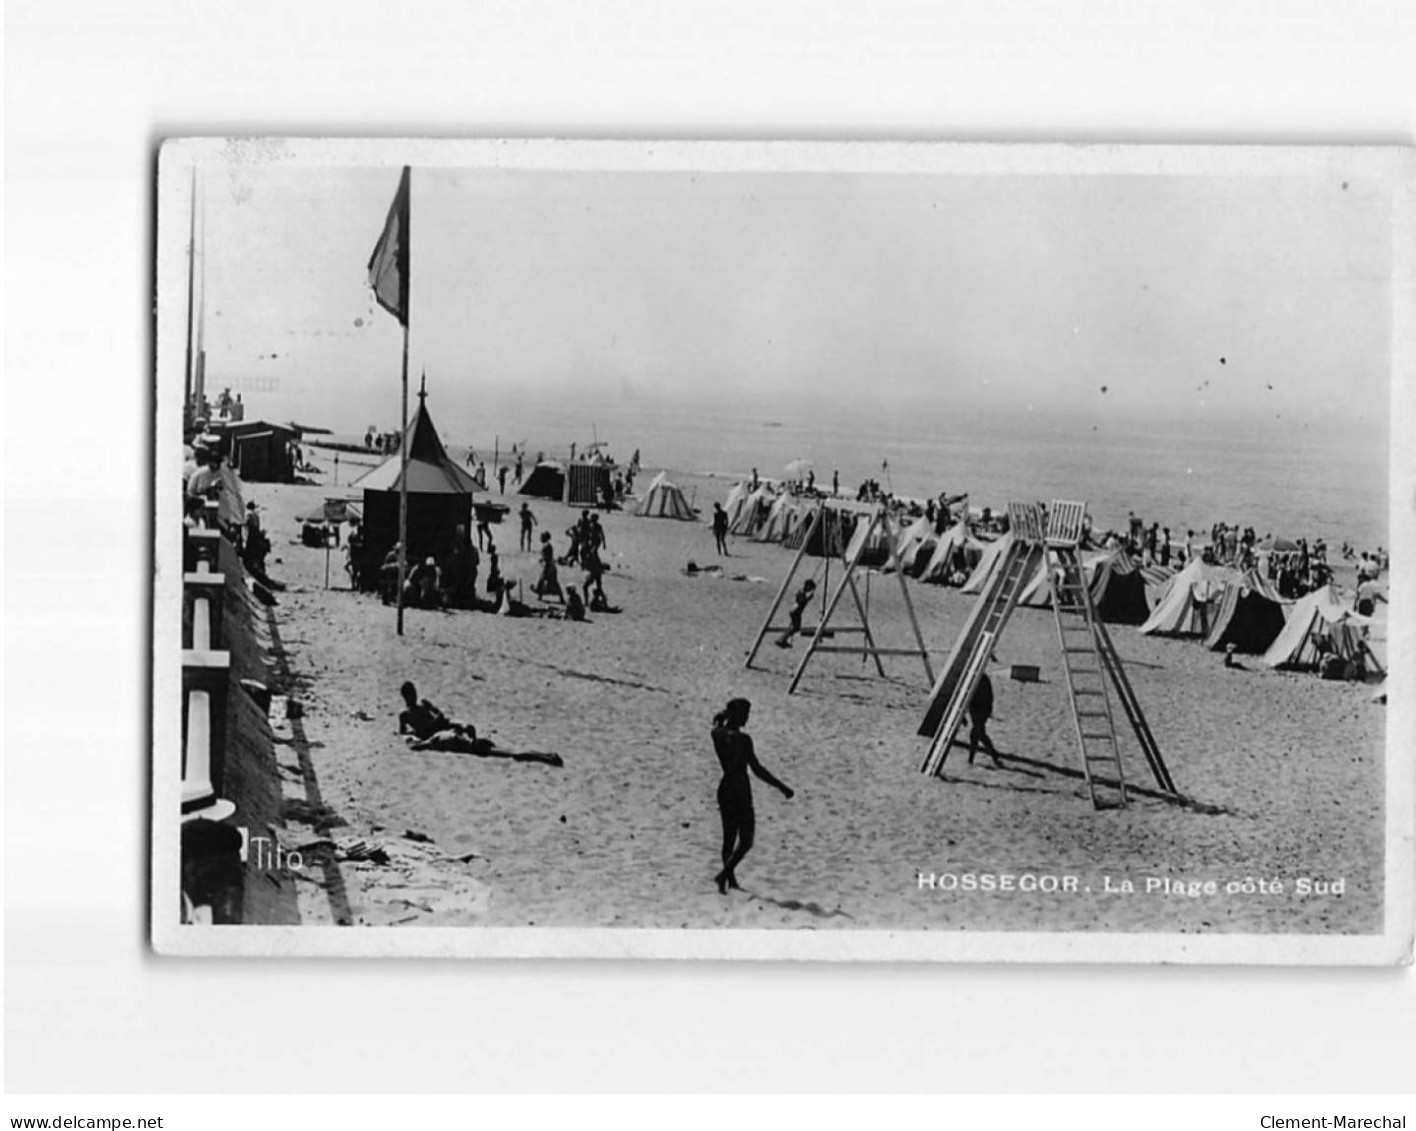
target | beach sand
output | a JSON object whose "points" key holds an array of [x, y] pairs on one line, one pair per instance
{"points": [[1283, 772]]}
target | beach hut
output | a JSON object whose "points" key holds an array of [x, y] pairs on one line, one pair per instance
{"points": [[664, 500], [260, 451], [1250, 617], [546, 481], [588, 483], [439, 494], [1319, 624], [733, 504], [1188, 603]]}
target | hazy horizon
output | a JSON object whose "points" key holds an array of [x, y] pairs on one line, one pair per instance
{"points": [[1211, 303]]}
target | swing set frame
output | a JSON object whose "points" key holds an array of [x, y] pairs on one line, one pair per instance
{"points": [[879, 520]]}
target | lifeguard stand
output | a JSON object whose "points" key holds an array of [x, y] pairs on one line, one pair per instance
{"points": [[826, 522], [1048, 540]]}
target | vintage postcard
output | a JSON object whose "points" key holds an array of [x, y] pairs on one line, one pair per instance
{"points": [[777, 550]]}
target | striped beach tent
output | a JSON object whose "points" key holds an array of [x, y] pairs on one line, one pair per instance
{"points": [[1250, 616], [664, 500], [1189, 602], [1319, 623], [753, 513]]}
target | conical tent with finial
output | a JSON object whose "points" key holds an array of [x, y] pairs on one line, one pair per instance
{"points": [[439, 492]]}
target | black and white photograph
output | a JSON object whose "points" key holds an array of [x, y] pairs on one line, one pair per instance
{"points": [[781, 550]]}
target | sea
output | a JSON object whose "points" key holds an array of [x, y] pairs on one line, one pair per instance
{"points": [[1293, 479]]}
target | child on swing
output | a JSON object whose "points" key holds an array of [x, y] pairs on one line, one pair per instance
{"points": [[799, 603]]}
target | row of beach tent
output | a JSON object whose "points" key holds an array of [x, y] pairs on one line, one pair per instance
{"points": [[1218, 605]]}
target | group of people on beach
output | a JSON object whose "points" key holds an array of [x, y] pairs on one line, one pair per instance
{"points": [[587, 544]]}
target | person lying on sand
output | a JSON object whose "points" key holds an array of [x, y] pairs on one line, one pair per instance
{"points": [[424, 720], [433, 730]]}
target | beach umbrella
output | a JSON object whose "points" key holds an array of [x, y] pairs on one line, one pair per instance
{"points": [[797, 468], [1278, 545]]}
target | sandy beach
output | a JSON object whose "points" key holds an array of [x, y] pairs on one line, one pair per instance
{"points": [[1282, 773]]}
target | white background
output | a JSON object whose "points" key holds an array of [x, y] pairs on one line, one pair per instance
{"points": [[91, 88]]}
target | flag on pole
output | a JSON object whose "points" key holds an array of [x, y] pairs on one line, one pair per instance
{"points": [[388, 266]]}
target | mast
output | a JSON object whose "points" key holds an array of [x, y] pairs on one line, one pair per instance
{"points": [[189, 375], [406, 246]]}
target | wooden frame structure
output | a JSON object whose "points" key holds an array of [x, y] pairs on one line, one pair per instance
{"points": [[881, 521], [1048, 540]]}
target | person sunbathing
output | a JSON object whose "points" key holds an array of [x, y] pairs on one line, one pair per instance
{"points": [[433, 730]]}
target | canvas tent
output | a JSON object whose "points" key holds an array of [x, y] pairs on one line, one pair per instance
{"points": [[733, 504], [868, 547], [439, 494], [1250, 616], [546, 481], [664, 500], [1118, 589], [1316, 623], [753, 513], [912, 545], [1189, 601], [954, 547], [993, 554], [786, 517]]}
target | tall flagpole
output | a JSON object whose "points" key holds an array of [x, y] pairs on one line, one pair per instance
{"points": [[403, 444], [191, 296]]}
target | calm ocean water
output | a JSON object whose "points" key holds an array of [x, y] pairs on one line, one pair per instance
{"points": [[1294, 480]]}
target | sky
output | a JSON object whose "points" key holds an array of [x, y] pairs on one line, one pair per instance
{"points": [[1238, 301]]}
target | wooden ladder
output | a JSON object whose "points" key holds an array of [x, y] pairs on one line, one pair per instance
{"points": [[959, 679], [1087, 672]]}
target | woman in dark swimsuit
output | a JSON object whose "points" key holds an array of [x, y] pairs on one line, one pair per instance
{"points": [[734, 750]]}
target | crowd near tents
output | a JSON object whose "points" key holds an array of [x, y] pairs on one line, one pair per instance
{"points": [[1225, 608]]}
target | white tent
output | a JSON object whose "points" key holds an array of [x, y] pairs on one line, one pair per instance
{"points": [[1189, 601], [1036, 593], [869, 551], [664, 500], [736, 500], [1320, 616], [780, 520], [753, 512], [912, 541], [993, 554], [956, 538]]}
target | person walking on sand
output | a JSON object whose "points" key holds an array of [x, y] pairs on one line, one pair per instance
{"points": [[528, 520], [799, 603], [737, 757], [720, 529], [980, 711], [502, 472], [548, 582], [516, 476]]}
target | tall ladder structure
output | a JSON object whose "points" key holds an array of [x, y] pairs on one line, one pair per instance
{"points": [[879, 521], [1089, 659]]}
